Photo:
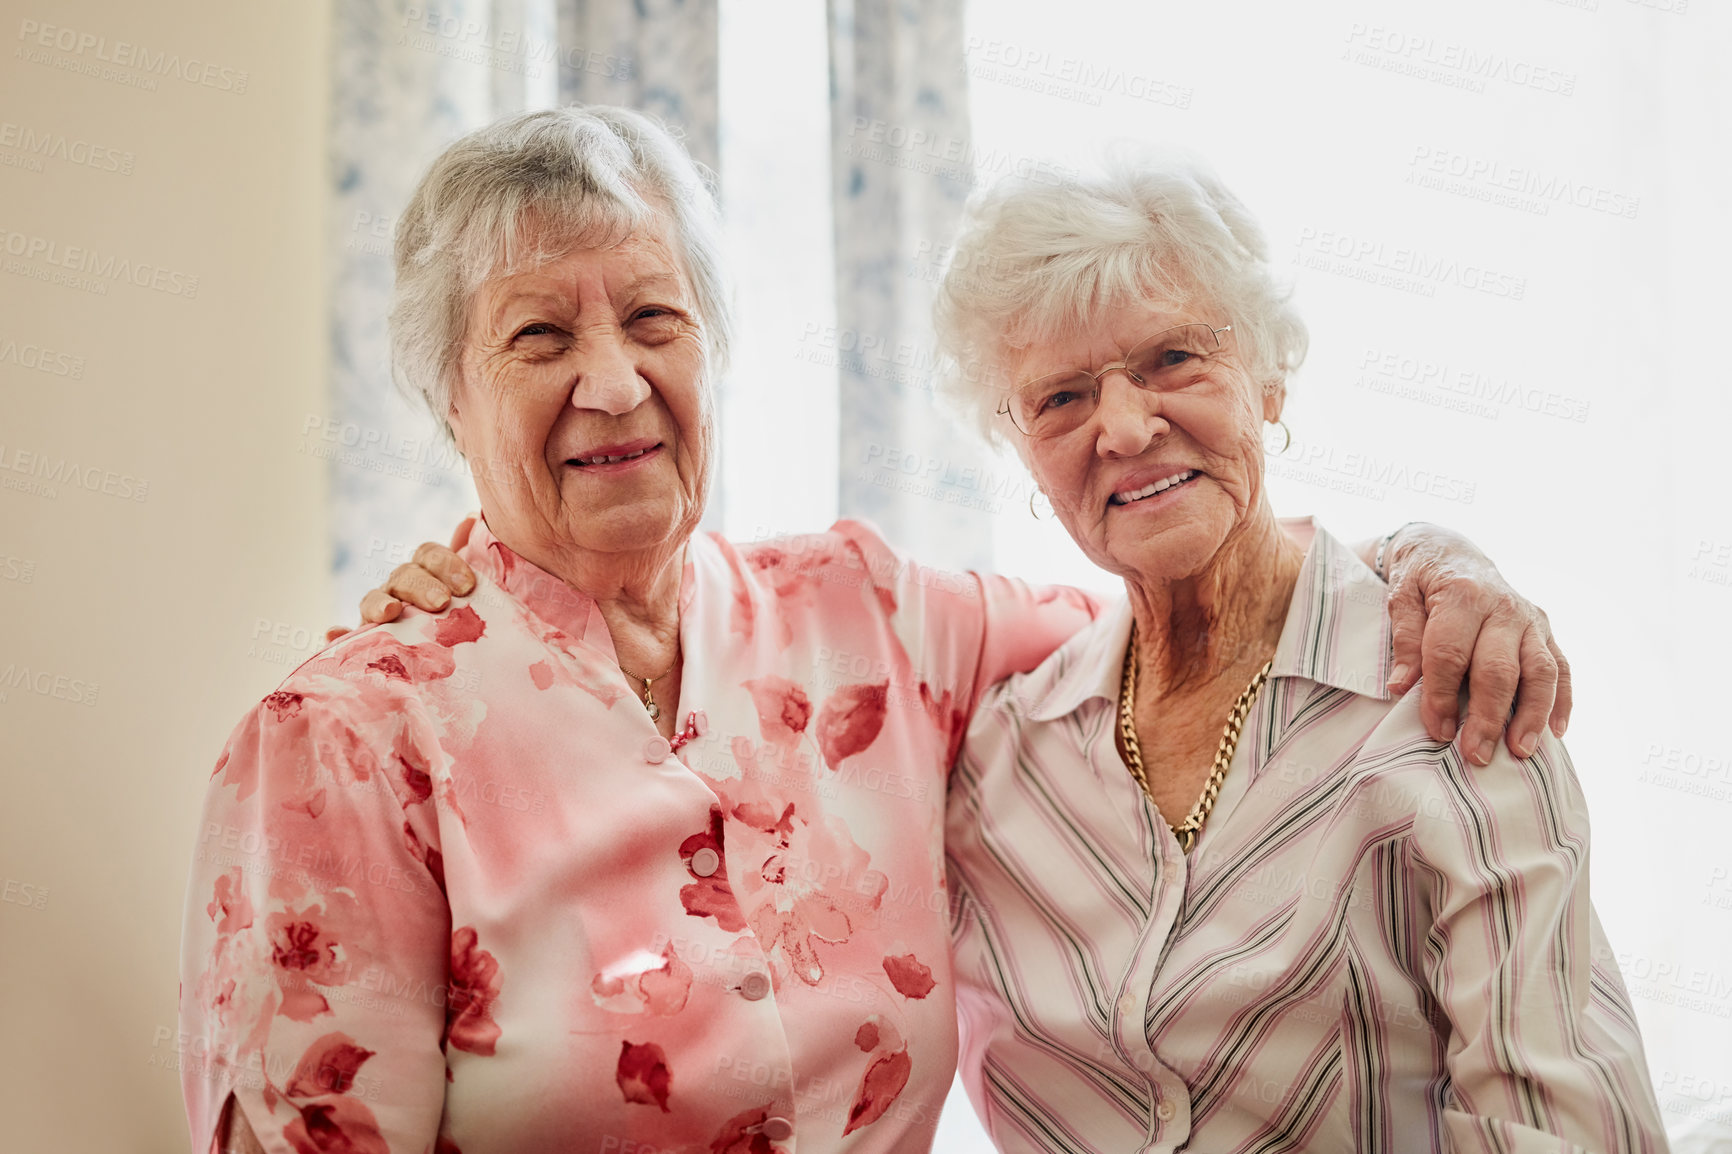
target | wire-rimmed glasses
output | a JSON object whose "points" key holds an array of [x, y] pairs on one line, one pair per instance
{"points": [[1062, 402]]}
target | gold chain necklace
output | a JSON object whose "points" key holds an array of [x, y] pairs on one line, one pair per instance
{"points": [[649, 701], [1187, 830]]}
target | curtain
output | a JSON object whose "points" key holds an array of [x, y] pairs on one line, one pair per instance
{"points": [[901, 168]]}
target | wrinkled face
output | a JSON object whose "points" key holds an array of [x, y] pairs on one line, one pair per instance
{"points": [[581, 403], [1155, 481]]}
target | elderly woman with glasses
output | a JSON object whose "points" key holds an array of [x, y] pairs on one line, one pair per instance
{"points": [[1220, 889], [638, 847]]}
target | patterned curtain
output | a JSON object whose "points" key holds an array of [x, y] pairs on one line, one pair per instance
{"points": [[902, 166], [408, 78]]}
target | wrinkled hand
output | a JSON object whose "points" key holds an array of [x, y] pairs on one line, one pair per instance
{"points": [[1454, 616], [426, 581]]}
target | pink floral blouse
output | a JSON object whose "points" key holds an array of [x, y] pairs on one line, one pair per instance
{"points": [[454, 893]]}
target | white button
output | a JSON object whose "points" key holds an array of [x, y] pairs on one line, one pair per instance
{"points": [[1165, 1111], [656, 750], [1128, 1004], [755, 986], [777, 1129], [706, 862]]}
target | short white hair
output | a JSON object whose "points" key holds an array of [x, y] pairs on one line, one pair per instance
{"points": [[1037, 259], [526, 189]]}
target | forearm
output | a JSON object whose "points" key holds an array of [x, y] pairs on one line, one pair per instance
{"points": [[1542, 1047]]}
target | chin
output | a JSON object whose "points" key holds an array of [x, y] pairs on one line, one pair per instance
{"points": [[1180, 552]]}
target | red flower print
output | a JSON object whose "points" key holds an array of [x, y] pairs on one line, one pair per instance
{"points": [[391, 666], [336, 1126], [380, 653], [284, 704], [643, 1074], [911, 978], [850, 721], [866, 1037], [409, 778], [426, 855], [950, 721], [884, 1080], [711, 897], [541, 673], [300, 945], [459, 625], [231, 902], [328, 1067], [475, 982], [783, 707]]}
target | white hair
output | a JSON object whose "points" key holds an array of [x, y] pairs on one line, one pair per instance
{"points": [[527, 189], [1039, 259]]}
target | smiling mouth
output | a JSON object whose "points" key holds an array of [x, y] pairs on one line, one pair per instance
{"points": [[1160, 486], [603, 459]]}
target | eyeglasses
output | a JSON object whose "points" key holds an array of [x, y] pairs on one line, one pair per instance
{"points": [[1061, 403]]}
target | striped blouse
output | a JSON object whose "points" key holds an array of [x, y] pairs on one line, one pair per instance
{"points": [[1374, 946]]}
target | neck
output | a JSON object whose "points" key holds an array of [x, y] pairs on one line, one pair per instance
{"points": [[1220, 623], [637, 594]]}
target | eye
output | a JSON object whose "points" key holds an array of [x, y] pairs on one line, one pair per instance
{"points": [[538, 329], [1057, 400], [657, 324]]}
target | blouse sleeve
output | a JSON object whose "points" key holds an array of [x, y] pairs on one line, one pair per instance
{"points": [[1543, 1044], [316, 938], [964, 632]]}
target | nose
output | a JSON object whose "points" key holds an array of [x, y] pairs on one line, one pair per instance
{"points": [[607, 377], [1128, 417]]}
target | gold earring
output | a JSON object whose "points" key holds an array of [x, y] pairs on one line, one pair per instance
{"points": [[1286, 441]]}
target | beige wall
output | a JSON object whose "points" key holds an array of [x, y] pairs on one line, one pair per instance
{"points": [[133, 602]]}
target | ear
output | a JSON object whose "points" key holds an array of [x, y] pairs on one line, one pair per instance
{"points": [[454, 415], [1274, 399]]}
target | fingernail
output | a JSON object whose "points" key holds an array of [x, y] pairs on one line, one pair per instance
{"points": [[1487, 747], [1398, 675], [1527, 743], [465, 584], [441, 599], [1559, 726], [1447, 726]]}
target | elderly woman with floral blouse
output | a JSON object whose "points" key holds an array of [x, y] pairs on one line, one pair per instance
{"points": [[1220, 889], [639, 847]]}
